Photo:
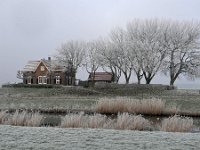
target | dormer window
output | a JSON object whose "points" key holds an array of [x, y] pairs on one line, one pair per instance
{"points": [[42, 68]]}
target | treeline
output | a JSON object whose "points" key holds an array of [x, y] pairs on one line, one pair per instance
{"points": [[143, 48]]}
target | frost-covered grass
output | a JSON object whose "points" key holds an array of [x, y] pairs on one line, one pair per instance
{"points": [[177, 124], [32, 98], [28, 98], [43, 138]]}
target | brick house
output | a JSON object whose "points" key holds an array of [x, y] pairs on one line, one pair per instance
{"points": [[48, 72]]}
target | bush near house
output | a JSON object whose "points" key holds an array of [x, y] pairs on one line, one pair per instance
{"points": [[21, 85], [131, 89]]}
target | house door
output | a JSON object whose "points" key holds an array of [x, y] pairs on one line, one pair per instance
{"points": [[57, 79]]}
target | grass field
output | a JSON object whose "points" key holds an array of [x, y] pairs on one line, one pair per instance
{"points": [[43, 138], [83, 98]]}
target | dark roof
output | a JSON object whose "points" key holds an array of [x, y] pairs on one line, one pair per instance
{"points": [[100, 76]]}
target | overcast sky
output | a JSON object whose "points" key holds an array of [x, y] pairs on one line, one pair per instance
{"points": [[33, 29]]}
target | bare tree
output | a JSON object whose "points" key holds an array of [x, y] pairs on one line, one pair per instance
{"points": [[122, 56], [182, 40], [108, 60], [92, 59], [146, 43], [73, 52], [20, 74]]}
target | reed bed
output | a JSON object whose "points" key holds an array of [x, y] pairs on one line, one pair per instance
{"points": [[3, 116], [21, 118], [177, 124], [121, 104], [126, 121], [123, 121], [85, 121]]}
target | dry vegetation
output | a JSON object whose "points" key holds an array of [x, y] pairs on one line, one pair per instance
{"points": [[85, 121], [131, 122], [3, 116], [122, 122], [120, 104], [21, 118], [177, 124]]}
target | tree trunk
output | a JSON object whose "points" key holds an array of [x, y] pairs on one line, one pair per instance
{"points": [[148, 77], [139, 76], [127, 81], [174, 77], [139, 81], [148, 80], [172, 82], [127, 77]]}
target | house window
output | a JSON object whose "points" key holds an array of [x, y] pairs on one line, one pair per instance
{"points": [[42, 68], [57, 79], [42, 80], [29, 80]]}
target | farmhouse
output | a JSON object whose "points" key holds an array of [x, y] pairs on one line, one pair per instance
{"points": [[48, 72], [100, 77]]}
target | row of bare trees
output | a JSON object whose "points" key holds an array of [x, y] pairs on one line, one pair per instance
{"points": [[144, 48]]}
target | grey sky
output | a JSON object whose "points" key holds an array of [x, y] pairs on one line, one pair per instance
{"points": [[33, 29]]}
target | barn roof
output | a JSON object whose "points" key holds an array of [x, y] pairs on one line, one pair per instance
{"points": [[100, 76]]}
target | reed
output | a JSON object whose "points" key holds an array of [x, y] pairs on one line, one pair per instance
{"points": [[73, 121], [122, 104], [25, 119], [177, 124], [123, 121], [3, 117], [126, 121]]}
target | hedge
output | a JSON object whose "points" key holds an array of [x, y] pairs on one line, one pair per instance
{"points": [[21, 85]]}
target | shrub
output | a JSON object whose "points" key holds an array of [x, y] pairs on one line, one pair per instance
{"points": [[130, 89], [83, 83], [177, 124]]}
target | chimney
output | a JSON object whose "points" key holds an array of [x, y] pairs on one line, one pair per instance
{"points": [[49, 58]]}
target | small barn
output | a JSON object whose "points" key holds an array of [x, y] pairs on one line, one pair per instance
{"points": [[100, 77]]}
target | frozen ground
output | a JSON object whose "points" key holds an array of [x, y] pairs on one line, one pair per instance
{"points": [[43, 138]]}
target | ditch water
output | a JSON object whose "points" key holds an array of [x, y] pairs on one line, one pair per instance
{"points": [[43, 138]]}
